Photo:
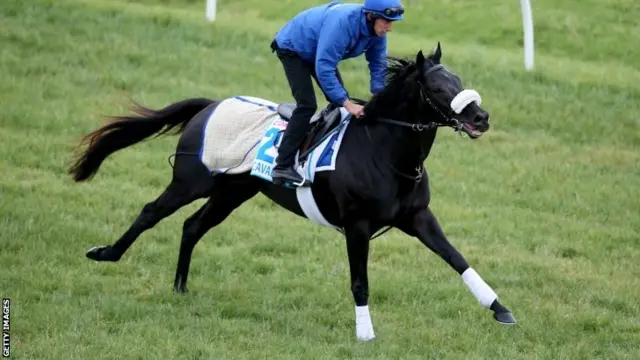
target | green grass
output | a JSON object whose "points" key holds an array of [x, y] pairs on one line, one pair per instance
{"points": [[544, 206]]}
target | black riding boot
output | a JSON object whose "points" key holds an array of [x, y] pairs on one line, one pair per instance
{"points": [[284, 172]]}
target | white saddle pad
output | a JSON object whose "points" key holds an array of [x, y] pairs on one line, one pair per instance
{"points": [[233, 132]]}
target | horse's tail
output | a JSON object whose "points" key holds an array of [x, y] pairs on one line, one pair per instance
{"points": [[128, 130]]}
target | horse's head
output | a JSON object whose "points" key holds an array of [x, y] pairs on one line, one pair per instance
{"points": [[444, 95]]}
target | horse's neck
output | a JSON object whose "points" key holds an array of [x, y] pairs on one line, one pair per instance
{"points": [[413, 148], [407, 148], [427, 139]]}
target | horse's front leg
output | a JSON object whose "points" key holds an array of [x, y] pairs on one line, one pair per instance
{"points": [[426, 228], [357, 238]]}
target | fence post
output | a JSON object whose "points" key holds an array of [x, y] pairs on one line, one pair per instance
{"points": [[211, 10], [527, 25]]}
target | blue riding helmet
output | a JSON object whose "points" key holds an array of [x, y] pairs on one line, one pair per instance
{"points": [[389, 9]]}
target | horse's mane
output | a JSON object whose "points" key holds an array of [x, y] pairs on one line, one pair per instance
{"points": [[398, 90]]}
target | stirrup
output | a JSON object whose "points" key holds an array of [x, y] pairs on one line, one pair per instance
{"points": [[292, 184], [304, 181], [295, 185]]}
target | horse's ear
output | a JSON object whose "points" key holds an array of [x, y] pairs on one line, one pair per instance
{"points": [[420, 60], [437, 54]]}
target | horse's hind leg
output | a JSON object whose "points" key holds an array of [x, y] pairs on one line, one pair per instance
{"points": [[191, 181], [225, 198]]}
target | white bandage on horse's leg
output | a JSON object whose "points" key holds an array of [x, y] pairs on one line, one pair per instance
{"points": [[483, 292], [364, 327], [464, 98]]}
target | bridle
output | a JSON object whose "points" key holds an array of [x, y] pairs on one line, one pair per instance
{"points": [[449, 117], [449, 121]]}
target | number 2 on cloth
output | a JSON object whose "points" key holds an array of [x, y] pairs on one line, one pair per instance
{"points": [[267, 152]]}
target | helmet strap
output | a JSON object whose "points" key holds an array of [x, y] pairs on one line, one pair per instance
{"points": [[371, 19]]}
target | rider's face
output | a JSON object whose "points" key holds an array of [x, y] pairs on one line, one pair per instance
{"points": [[381, 26]]}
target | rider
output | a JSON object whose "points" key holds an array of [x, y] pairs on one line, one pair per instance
{"points": [[311, 45]]}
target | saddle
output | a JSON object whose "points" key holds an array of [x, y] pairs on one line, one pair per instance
{"points": [[321, 122]]}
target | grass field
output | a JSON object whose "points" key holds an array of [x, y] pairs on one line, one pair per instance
{"points": [[545, 206]]}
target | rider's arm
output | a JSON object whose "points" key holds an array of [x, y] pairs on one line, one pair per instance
{"points": [[332, 43], [376, 56]]}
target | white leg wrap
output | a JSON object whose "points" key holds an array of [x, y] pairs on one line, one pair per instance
{"points": [[483, 292], [364, 328]]}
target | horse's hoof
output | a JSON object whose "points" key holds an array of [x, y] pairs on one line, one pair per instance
{"points": [[505, 318], [103, 253], [366, 338], [181, 290]]}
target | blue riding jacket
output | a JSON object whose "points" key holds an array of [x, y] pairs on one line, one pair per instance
{"points": [[325, 34]]}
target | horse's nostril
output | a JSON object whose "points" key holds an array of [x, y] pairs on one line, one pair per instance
{"points": [[481, 118]]}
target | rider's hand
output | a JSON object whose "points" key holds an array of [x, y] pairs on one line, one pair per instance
{"points": [[355, 109]]}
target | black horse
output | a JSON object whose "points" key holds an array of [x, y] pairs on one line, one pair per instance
{"points": [[379, 180]]}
